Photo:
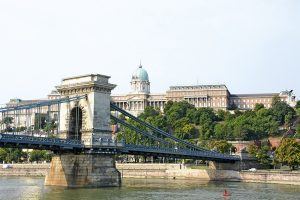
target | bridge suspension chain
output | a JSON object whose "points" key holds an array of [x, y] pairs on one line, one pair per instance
{"points": [[140, 131], [179, 141]]}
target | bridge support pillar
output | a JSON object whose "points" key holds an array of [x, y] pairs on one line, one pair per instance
{"points": [[83, 170], [224, 166]]}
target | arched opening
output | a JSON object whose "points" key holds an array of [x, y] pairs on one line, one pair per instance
{"points": [[75, 124]]}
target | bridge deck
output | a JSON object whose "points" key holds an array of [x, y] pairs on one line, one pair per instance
{"points": [[57, 144]]}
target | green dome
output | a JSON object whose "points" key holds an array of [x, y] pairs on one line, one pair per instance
{"points": [[140, 74]]}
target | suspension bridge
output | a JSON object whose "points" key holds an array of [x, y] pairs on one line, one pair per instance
{"points": [[76, 127]]}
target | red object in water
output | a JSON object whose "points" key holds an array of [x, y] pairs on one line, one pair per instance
{"points": [[226, 193]]}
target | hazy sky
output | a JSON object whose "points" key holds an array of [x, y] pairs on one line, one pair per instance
{"points": [[251, 46]]}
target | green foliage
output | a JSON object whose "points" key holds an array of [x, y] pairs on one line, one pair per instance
{"points": [[184, 121], [183, 129], [258, 106], [233, 107], [288, 153], [50, 126], [220, 131], [221, 114], [298, 111], [7, 121], [39, 155], [280, 109], [221, 146], [297, 135], [19, 129], [149, 112], [168, 105], [297, 106], [288, 119], [40, 121], [252, 150], [262, 155], [9, 155], [177, 111], [207, 121]]}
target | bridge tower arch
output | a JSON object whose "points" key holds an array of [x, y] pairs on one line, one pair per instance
{"points": [[87, 120], [95, 122], [75, 123]]}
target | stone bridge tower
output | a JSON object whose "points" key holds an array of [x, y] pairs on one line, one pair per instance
{"points": [[88, 120]]}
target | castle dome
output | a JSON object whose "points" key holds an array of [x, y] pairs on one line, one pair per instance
{"points": [[140, 74]]}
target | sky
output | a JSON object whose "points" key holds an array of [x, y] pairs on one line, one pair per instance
{"points": [[251, 46]]}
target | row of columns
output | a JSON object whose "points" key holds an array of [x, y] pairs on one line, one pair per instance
{"points": [[198, 102], [140, 105]]}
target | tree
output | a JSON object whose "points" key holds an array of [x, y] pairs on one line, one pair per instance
{"points": [[221, 115], [50, 126], [252, 150], [220, 131], [288, 153], [221, 145], [40, 121], [176, 111], [7, 121], [297, 135], [9, 155], [168, 105], [280, 109], [262, 155], [288, 119], [233, 107], [258, 106], [149, 112], [39, 155], [297, 106], [183, 129]]}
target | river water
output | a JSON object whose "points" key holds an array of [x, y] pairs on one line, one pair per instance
{"points": [[23, 188]]}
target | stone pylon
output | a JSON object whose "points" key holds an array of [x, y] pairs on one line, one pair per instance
{"points": [[87, 120]]}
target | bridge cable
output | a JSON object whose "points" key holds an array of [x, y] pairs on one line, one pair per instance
{"points": [[113, 106], [139, 130]]}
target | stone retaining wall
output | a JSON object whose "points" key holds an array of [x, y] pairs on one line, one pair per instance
{"points": [[172, 171], [177, 171], [25, 170], [292, 178]]}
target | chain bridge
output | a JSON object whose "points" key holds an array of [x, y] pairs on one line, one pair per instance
{"points": [[77, 128]]}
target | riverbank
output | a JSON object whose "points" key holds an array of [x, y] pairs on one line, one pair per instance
{"points": [[25, 170], [171, 171]]}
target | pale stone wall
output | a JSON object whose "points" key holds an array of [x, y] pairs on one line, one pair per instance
{"points": [[225, 166], [174, 171], [292, 178], [171, 171], [177, 171], [25, 170], [83, 171]]}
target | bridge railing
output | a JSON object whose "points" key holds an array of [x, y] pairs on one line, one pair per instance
{"points": [[54, 139], [181, 152], [103, 142], [37, 140]]}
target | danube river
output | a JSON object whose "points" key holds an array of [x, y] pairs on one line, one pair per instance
{"points": [[146, 189]]}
